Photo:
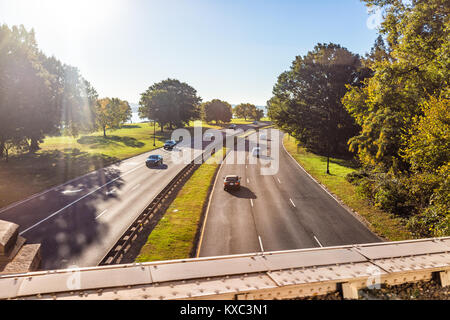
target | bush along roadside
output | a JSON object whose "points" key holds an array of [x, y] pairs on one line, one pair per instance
{"points": [[175, 236], [351, 186]]}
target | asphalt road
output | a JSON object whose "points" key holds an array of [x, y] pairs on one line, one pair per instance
{"points": [[77, 223], [284, 211]]}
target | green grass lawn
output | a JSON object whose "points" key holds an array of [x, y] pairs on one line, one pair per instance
{"points": [[173, 237], [382, 223], [122, 143]]}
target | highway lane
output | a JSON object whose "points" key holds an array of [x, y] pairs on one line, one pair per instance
{"points": [[284, 211], [78, 222]]}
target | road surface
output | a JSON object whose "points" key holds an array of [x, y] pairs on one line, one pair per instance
{"points": [[77, 223], [284, 211]]}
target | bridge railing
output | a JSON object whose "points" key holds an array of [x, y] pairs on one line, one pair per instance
{"points": [[268, 275]]}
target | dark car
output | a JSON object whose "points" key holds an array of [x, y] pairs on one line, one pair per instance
{"points": [[232, 182], [154, 160], [169, 144]]}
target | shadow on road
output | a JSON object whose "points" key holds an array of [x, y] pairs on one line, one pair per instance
{"points": [[66, 236], [159, 167], [243, 192]]}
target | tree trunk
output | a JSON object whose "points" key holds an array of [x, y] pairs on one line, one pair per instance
{"points": [[328, 165], [34, 145], [104, 132]]}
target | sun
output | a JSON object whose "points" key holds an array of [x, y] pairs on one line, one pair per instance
{"points": [[72, 16]]}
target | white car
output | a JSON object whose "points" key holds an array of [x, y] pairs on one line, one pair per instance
{"points": [[256, 152], [263, 136], [208, 136]]}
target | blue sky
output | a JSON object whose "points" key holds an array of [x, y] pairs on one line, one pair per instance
{"points": [[230, 50]]}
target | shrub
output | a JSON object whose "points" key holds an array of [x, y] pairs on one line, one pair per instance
{"points": [[391, 195]]}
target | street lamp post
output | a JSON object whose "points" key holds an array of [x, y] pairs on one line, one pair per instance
{"points": [[154, 132]]}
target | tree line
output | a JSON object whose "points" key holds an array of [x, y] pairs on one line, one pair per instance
{"points": [[390, 110], [174, 104]]}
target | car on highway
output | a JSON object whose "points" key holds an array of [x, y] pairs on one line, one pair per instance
{"points": [[170, 144], [232, 126], [256, 152], [263, 136], [154, 160], [231, 182], [208, 136], [255, 122]]}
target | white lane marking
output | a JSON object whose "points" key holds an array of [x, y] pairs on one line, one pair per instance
{"points": [[103, 212], [73, 202], [260, 244], [251, 202], [248, 181], [292, 202], [135, 187], [113, 190], [71, 191], [318, 241], [279, 181], [131, 163], [56, 188]]}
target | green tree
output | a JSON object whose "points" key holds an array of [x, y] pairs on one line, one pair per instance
{"points": [[244, 110], [170, 102], [415, 66], [403, 111], [111, 113], [257, 114], [217, 110], [307, 99], [428, 145], [38, 95]]}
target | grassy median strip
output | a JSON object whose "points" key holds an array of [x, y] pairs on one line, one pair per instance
{"points": [[382, 223], [174, 236]]}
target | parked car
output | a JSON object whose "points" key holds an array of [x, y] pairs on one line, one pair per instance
{"points": [[169, 144], [154, 160], [256, 152], [232, 126], [231, 182]]}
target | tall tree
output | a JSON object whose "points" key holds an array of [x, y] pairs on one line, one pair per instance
{"points": [[257, 114], [25, 90], [414, 66], [78, 101], [111, 113], [38, 95], [217, 110], [307, 99], [170, 102], [244, 110]]}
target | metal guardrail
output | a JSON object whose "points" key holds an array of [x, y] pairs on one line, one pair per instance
{"points": [[269, 275], [123, 245]]}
